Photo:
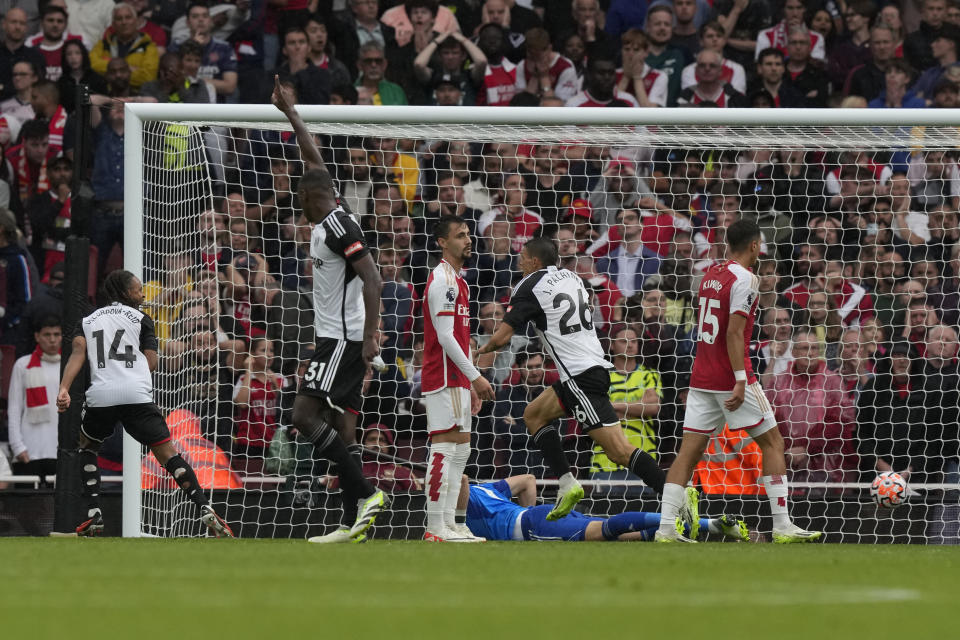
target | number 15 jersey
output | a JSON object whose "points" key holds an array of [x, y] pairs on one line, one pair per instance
{"points": [[557, 303], [727, 288], [117, 336]]}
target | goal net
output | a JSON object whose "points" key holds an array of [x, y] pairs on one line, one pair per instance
{"points": [[855, 344]]}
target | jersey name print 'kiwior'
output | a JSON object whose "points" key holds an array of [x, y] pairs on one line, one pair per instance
{"points": [[117, 336], [337, 289], [558, 304]]}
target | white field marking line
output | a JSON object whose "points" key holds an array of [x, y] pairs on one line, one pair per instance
{"points": [[817, 596]]}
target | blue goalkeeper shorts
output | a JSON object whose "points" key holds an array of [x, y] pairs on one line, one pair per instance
{"points": [[571, 528]]}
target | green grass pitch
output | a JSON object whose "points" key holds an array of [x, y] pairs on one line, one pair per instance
{"points": [[280, 589]]}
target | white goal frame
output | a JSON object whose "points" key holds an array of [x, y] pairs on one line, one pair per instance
{"points": [[138, 114]]}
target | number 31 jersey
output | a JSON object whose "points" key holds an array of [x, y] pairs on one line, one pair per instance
{"points": [[727, 288], [117, 336], [557, 303]]}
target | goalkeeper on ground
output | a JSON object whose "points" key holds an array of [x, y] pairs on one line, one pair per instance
{"points": [[492, 514]]}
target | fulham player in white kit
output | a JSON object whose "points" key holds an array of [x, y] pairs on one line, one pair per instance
{"points": [[557, 304], [120, 343], [346, 312], [724, 390], [452, 387]]}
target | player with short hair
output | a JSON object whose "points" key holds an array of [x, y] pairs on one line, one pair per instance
{"points": [[725, 391], [492, 513], [452, 387], [120, 343], [557, 303], [346, 307]]}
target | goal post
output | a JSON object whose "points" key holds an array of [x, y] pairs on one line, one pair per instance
{"points": [[183, 161]]}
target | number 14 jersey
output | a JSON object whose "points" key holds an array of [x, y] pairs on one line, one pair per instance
{"points": [[117, 336], [727, 288], [557, 303]]}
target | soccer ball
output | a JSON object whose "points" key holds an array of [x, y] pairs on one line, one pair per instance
{"points": [[888, 489]]}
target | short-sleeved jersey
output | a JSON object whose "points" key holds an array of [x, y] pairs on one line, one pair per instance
{"points": [[447, 294], [117, 337], [336, 243], [557, 303], [727, 288], [490, 512], [563, 76], [499, 84]]}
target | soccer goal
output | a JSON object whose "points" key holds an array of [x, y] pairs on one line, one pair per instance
{"points": [[855, 343]]}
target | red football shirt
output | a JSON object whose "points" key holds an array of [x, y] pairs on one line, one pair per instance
{"points": [[446, 295], [727, 288]]}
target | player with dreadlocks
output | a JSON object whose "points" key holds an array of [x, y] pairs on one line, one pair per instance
{"points": [[120, 343]]}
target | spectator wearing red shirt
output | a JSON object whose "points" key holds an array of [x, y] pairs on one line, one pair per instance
{"points": [[28, 161], [524, 222], [386, 475], [500, 77], [53, 34], [648, 85], [815, 416], [256, 398], [544, 72], [776, 36]]}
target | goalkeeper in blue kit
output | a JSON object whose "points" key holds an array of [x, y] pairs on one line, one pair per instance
{"points": [[492, 514]]}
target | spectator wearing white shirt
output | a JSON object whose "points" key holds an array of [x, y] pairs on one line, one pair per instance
{"points": [[90, 18], [32, 412]]}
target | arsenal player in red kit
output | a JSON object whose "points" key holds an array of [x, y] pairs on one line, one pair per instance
{"points": [[452, 387], [724, 390]]}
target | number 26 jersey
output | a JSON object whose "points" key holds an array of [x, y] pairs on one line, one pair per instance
{"points": [[727, 288], [117, 336], [557, 303]]}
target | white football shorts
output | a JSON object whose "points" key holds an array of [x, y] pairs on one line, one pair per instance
{"points": [[448, 410], [706, 414]]}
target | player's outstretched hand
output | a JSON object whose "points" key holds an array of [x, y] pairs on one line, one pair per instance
{"points": [[736, 398], [483, 388], [63, 400], [282, 96]]}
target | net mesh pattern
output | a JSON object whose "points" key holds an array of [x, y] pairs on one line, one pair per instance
{"points": [[855, 342]]}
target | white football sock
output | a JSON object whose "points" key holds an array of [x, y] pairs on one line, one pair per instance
{"points": [[437, 482], [777, 490], [670, 502], [458, 462], [566, 481]]}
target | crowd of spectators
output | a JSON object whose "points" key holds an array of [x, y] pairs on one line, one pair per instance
{"points": [[859, 283]]}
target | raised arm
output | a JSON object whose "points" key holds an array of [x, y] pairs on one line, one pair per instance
{"points": [[283, 100]]}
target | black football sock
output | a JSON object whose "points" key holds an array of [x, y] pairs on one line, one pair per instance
{"points": [[184, 476], [645, 467], [90, 475], [548, 440], [353, 485]]}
